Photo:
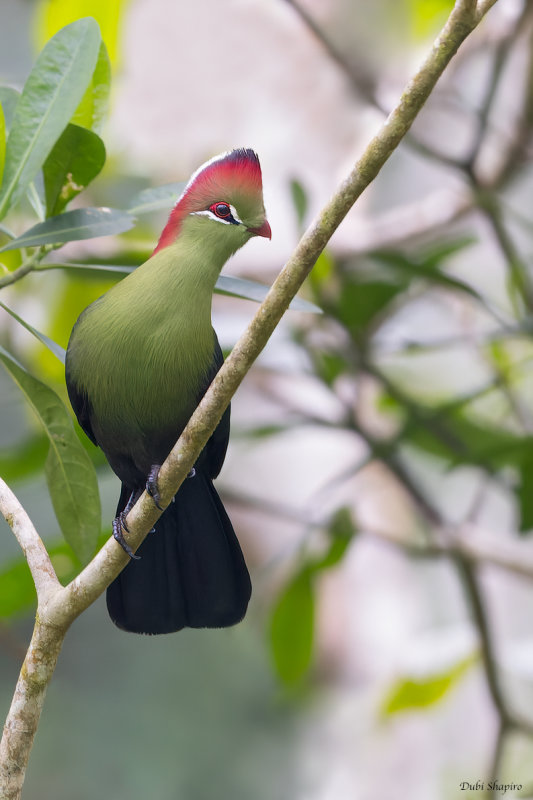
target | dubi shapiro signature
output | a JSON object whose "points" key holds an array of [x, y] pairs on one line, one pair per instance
{"points": [[494, 786]]}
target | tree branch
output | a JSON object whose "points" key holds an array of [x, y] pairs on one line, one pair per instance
{"points": [[35, 552]]}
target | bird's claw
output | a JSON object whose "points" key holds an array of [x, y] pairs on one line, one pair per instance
{"points": [[119, 524], [151, 486]]}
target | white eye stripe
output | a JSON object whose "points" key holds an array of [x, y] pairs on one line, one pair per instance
{"points": [[235, 215], [211, 215]]}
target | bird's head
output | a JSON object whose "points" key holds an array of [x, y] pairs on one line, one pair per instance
{"points": [[222, 203]]}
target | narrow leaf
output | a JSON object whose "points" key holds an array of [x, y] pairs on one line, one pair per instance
{"points": [[225, 285], [74, 161], [299, 199], [55, 348], [69, 472], [35, 195], [124, 270], [49, 99], [291, 629], [92, 110], [82, 223], [157, 198], [250, 290], [410, 694], [341, 531]]}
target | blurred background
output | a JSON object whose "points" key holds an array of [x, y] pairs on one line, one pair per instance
{"points": [[380, 471]]}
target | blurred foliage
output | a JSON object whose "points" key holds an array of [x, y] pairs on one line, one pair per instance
{"points": [[410, 694], [428, 16], [52, 15], [293, 615], [413, 419]]}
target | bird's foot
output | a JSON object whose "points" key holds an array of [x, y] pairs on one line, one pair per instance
{"points": [[151, 485], [119, 524]]}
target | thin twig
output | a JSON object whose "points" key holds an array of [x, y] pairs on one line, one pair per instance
{"points": [[16, 274], [467, 570]]}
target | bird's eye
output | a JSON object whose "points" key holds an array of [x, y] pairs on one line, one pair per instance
{"points": [[222, 210]]}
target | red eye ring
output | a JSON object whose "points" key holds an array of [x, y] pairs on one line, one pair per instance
{"points": [[221, 210]]}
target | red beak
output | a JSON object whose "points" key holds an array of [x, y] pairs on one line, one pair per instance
{"points": [[263, 230]]}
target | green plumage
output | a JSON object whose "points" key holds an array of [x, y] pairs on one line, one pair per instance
{"points": [[144, 352]]}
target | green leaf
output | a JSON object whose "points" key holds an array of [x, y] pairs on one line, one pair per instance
{"points": [[321, 275], [74, 161], [69, 265], [428, 267], [250, 290], [48, 101], [82, 223], [292, 621], [157, 198], [225, 285], [410, 694], [261, 431], [330, 366], [35, 194], [299, 199], [362, 301], [451, 434], [8, 100], [92, 110], [55, 348], [292, 629], [69, 472], [341, 531]]}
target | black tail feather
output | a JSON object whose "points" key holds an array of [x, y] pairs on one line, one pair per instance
{"points": [[191, 573]]}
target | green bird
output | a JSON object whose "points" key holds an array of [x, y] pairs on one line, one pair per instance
{"points": [[139, 360]]}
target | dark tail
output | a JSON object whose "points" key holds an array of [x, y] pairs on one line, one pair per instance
{"points": [[191, 572]]}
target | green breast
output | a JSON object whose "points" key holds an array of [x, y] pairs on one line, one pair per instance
{"points": [[143, 353]]}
